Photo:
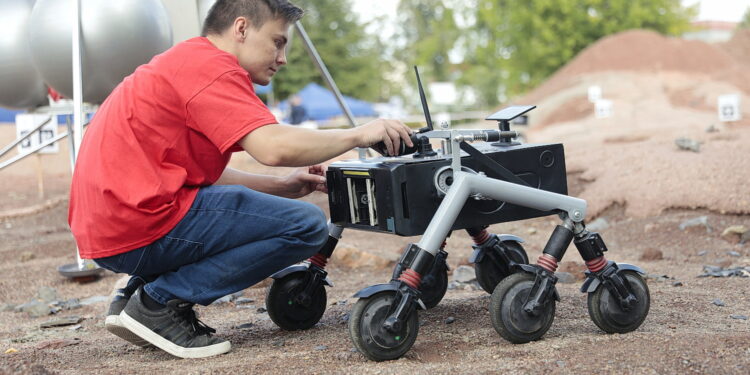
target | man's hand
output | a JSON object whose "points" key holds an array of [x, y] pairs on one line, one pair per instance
{"points": [[304, 181], [390, 132]]}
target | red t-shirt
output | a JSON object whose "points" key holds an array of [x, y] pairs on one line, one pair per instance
{"points": [[165, 131]]}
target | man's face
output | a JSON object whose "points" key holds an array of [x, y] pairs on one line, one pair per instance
{"points": [[262, 52]]}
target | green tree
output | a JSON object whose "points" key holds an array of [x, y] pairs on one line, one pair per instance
{"points": [[429, 32], [351, 55], [745, 23], [516, 44]]}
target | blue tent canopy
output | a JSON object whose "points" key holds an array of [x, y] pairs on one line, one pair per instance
{"points": [[321, 104]]}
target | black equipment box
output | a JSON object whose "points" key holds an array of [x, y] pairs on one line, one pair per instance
{"points": [[400, 195]]}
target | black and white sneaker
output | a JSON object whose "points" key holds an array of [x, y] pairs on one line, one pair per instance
{"points": [[112, 322], [174, 328]]}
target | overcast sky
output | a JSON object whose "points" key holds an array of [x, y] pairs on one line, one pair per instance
{"points": [[710, 10]]}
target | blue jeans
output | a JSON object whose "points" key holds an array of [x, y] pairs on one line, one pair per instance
{"points": [[231, 238]]}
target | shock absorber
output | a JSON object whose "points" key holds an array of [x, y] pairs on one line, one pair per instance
{"points": [[320, 259], [555, 249], [479, 235], [592, 248], [415, 262]]}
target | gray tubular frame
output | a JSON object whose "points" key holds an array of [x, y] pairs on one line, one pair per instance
{"points": [[467, 184]]}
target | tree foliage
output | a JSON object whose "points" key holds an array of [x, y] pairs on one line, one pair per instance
{"points": [[430, 33], [510, 46], [352, 56], [745, 23]]}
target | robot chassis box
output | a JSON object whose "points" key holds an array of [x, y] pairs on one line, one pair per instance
{"points": [[462, 187]]}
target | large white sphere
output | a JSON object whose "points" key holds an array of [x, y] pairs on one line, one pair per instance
{"points": [[117, 37], [20, 85]]}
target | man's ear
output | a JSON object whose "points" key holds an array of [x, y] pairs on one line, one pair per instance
{"points": [[239, 28]]}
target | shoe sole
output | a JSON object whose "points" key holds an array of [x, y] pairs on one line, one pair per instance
{"points": [[113, 325], [160, 342]]}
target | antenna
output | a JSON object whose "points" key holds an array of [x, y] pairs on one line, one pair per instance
{"points": [[425, 109]]}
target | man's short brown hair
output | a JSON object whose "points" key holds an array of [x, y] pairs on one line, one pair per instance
{"points": [[224, 12]]}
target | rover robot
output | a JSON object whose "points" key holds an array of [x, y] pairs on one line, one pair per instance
{"points": [[461, 186]]}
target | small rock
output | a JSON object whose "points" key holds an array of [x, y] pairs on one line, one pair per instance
{"points": [[93, 300], [75, 327], [225, 299], [278, 343], [8, 225], [464, 274], [597, 225], [7, 307], [702, 253], [650, 227], [35, 309], [565, 277], [657, 277], [698, 221], [449, 320], [688, 144], [470, 287], [560, 363], [531, 230], [718, 302], [27, 256], [243, 301], [61, 322], [70, 304], [245, 326], [247, 307], [11, 351], [344, 318], [343, 356], [652, 254], [712, 128], [733, 254], [739, 317], [677, 283], [343, 302], [261, 310], [321, 347], [735, 232], [453, 285], [46, 294]]}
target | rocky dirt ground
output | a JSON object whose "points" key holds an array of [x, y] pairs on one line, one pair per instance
{"points": [[669, 209]]}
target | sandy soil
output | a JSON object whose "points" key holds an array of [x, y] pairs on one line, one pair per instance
{"points": [[627, 167]]}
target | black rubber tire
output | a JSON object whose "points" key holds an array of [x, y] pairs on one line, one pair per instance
{"points": [[288, 314], [606, 312], [507, 315], [434, 286], [490, 274], [368, 335]]}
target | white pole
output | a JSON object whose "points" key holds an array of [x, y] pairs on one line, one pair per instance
{"points": [[77, 92]]}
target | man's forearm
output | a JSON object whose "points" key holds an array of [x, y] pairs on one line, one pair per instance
{"points": [[282, 145], [262, 183]]}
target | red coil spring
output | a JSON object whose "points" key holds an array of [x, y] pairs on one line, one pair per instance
{"points": [[481, 238], [596, 265], [411, 278], [548, 262], [319, 260]]}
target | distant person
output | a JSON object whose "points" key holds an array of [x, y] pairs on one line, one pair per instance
{"points": [[298, 112], [152, 195]]}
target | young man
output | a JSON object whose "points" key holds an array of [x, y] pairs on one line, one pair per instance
{"points": [[152, 196]]}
